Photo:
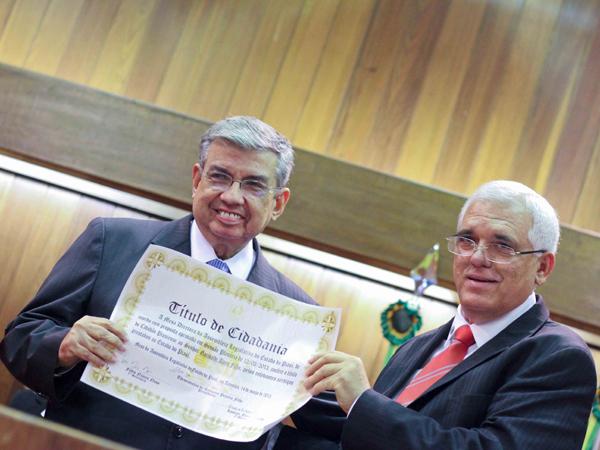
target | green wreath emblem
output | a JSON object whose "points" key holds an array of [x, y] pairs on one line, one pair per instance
{"points": [[400, 322]]}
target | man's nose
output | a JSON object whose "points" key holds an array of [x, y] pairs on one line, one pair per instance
{"points": [[234, 192], [479, 257]]}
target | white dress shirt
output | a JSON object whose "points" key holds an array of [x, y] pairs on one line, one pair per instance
{"points": [[239, 264], [485, 332]]}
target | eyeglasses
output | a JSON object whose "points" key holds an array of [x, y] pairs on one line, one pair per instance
{"points": [[498, 253], [221, 182]]}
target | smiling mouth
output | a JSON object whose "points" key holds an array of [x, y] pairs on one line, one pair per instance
{"points": [[229, 215], [480, 279]]}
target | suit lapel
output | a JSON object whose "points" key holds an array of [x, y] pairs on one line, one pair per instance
{"points": [[524, 326], [176, 235], [410, 357], [262, 273]]}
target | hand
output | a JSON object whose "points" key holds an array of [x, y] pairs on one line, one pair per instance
{"points": [[288, 421], [345, 374], [92, 339]]}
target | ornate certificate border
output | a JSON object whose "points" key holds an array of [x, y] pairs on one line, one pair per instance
{"points": [[244, 293]]}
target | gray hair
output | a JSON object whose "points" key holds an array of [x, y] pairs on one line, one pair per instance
{"points": [[250, 133], [545, 229]]}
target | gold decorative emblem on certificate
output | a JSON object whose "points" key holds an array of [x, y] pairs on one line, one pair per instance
{"points": [[101, 375], [329, 322], [208, 351], [154, 260]]}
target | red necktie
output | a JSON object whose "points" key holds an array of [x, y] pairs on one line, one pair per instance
{"points": [[438, 366]]}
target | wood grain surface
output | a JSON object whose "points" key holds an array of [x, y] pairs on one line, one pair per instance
{"points": [[350, 210], [450, 93]]}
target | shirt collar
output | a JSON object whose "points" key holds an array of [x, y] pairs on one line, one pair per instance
{"points": [[487, 331], [239, 264]]}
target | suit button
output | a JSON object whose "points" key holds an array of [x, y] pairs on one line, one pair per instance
{"points": [[178, 432]]}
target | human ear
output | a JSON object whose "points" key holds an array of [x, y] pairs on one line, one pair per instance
{"points": [[281, 200], [196, 177], [545, 267]]}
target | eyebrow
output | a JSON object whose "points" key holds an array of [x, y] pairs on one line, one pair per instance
{"points": [[218, 168], [502, 238], [497, 237], [463, 233]]}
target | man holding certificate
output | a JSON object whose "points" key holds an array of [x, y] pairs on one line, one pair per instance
{"points": [[500, 375], [238, 187]]}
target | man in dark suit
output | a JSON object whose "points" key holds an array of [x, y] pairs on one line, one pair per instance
{"points": [[500, 375], [238, 187]]}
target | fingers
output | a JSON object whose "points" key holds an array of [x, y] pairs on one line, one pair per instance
{"points": [[101, 330], [320, 373], [337, 371], [92, 354], [322, 358], [92, 339]]}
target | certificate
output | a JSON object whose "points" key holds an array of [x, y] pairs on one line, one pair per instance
{"points": [[210, 352]]}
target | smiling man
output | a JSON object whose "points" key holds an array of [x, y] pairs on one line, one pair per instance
{"points": [[500, 375], [238, 187], [236, 192]]}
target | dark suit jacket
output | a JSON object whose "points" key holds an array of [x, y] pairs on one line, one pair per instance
{"points": [[87, 280], [531, 387]]}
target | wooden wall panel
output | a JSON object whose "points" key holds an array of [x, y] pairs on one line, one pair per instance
{"points": [[358, 120], [303, 57], [188, 58], [519, 79], [588, 204], [449, 93], [5, 12], [52, 36], [261, 66], [20, 30], [335, 206], [123, 42], [551, 100], [87, 40], [156, 51], [228, 42], [473, 107], [319, 111], [581, 134], [444, 76], [40, 223], [26, 432]]}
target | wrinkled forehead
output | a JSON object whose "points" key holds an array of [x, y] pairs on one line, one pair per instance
{"points": [[240, 162], [511, 215]]}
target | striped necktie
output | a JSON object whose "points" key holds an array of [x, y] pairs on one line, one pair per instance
{"points": [[221, 265], [438, 366]]}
